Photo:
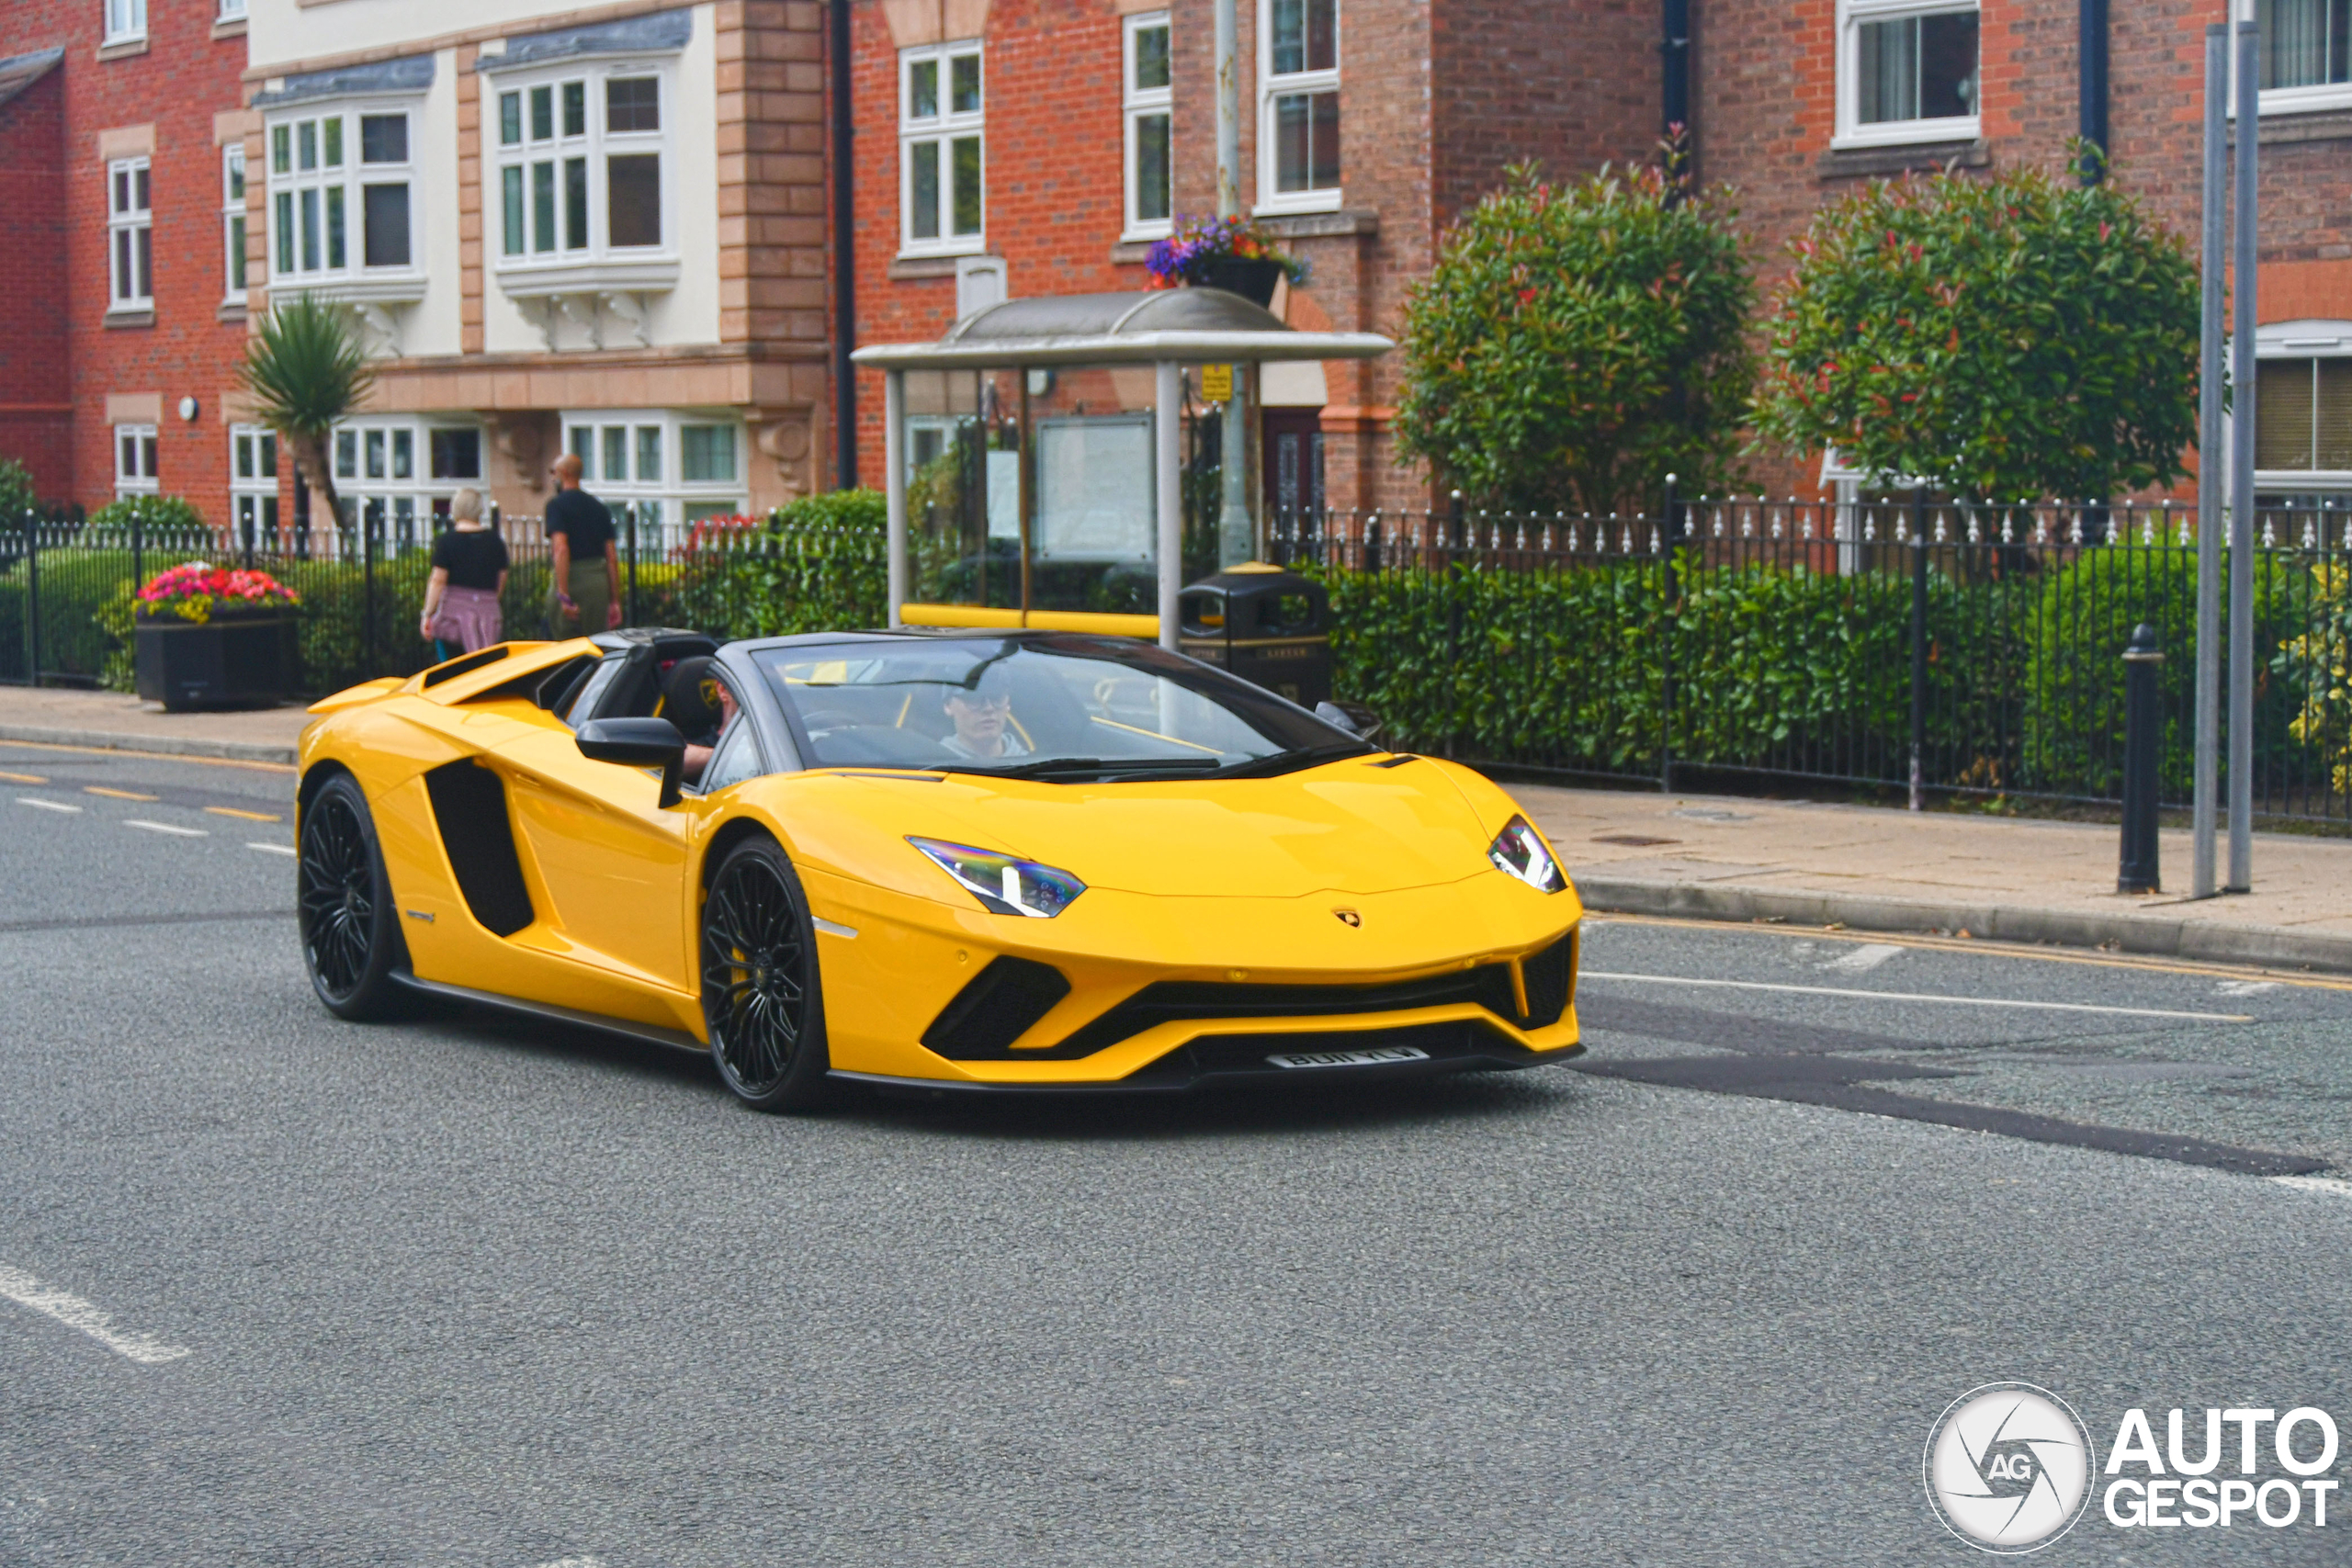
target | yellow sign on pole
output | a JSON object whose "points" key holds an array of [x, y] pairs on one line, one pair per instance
{"points": [[1217, 383]]}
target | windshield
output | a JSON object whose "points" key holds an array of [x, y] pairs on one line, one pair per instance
{"points": [[1068, 707]]}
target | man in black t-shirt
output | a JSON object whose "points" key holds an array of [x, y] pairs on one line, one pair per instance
{"points": [[583, 590]]}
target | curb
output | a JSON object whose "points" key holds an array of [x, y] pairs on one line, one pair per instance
{"points": [[153, 745], [2210, 942]]}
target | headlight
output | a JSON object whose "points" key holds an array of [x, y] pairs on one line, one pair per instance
{"points": [[1519, 849], [1003, 884]]}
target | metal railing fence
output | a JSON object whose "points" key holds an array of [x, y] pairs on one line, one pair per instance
{"points": [[1909, 644]]}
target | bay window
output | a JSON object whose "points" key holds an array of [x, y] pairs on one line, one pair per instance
{"points": [[340, 199], [399, 473], [129, 236], [1148, 102], [1298, 130], [667, 470], [942, 151], [580, 161], [1906, 71], [2302, 421]]}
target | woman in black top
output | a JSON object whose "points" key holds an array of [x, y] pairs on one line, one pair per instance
{"points": [[469, 573]]}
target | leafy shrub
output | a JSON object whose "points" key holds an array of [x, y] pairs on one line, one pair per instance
{"points": [[2017, 335], [157, 515], [1575, 344], [16, 496]]}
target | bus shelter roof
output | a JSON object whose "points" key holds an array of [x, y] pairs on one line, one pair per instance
{"points": [[1150, 327]]}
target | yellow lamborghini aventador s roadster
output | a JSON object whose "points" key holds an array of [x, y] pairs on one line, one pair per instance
{"points": [[974, 861]]}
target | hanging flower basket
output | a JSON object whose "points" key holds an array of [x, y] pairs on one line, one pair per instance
{"points": [[1231, 253], [211, 637]]}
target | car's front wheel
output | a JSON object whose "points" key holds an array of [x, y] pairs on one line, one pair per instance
{"points": [[760, 996], [351, 940]]}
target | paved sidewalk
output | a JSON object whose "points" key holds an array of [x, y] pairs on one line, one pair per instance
{"points": [[2000, 878], [1704, 856], [65, 716]]}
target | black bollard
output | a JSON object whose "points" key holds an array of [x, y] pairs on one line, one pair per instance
{"points": [[2143, 737]]}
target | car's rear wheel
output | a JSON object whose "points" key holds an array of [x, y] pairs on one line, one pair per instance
{"points": [[760, 994], [351, 940]]}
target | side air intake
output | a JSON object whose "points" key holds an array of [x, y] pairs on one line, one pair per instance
{"points": [[469, 808], [995, 1009]]}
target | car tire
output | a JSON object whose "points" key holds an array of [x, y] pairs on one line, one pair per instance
{"points": [[351, 937], [762, 996]]}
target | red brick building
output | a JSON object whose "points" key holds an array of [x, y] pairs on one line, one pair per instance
{"points": [[1797, 101], [121, 300], [1397, 112]]}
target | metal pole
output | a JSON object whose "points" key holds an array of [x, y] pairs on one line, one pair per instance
{"points": [[2212, 467], [894, 486], [1669, 535], [632, 566], [2144, 721], [837, 45], [2242, 466], [32, 597], [367, 589], [1919, 649], [1168, 421], [1228, 111]]}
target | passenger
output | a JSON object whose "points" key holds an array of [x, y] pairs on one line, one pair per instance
{"points": [[699, 702], [461, 611], [983, 720]]}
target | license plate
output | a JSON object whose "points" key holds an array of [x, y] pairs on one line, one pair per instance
{"points": [[1374, 1057]]}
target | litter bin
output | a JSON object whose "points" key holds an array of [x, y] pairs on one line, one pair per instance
{"points": [[1270, 626]]}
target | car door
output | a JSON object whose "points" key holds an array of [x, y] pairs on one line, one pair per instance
{"points": [[611, 859]]}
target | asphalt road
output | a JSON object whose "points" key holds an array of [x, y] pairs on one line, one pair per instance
{"points": [[279, 1290]]}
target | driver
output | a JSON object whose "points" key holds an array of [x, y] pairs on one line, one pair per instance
{"points": [[699, 702], [983, 720]]}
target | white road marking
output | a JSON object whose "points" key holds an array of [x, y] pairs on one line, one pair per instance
{"points": [[2245, 987], [575, 1563], [1870, 956], [165, 828], [47, 805], [2328, 1184], [75, 1313], [1920, 996], [275, 849]]}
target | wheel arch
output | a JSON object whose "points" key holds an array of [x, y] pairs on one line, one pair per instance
{"points": [[731, 832], [315, 779]]}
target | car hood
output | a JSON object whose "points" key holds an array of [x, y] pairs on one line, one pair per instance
{"points": [[1350, 827]]}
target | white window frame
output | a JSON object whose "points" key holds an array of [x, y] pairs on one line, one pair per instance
{"points": [[287, 186], [125, 22], [364, 454], [232, 223], [594, 146], [230, 11], [942, 130], [1853, 16], [131, 235], [2302, 340], [1138, 103], [134, 461], [1271, 87], [2295, 100], [253, 479], [665, 503]]}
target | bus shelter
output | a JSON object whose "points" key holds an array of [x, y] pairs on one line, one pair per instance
{"points": [[1061, 463]]}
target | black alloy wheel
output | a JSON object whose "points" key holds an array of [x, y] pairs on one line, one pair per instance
{"points": [[760, 991], [351, 940]]}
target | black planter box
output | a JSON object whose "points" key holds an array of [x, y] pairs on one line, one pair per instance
{"points": [[229, 661], [1249, 276]]}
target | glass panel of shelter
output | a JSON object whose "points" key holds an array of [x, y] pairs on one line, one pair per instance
{"points": [[1037, 486]]}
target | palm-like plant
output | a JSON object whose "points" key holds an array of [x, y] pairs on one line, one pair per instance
{"points": [[306, 372]]}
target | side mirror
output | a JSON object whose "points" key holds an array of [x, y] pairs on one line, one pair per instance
{"points": [[638, 743], [1354, 717]]}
